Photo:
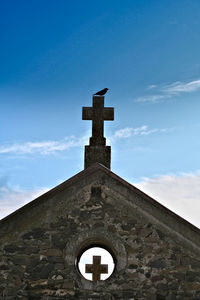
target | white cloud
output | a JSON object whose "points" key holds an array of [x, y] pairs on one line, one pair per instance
{"points": [[167, 91], [180, 87], [151, 86], [13, 198], [128, 132], [43, 147], [180, 193], [131, 132], [152, 98], [52, 147]]}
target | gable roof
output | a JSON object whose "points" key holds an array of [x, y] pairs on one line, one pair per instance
{"points": [[147, 205]]}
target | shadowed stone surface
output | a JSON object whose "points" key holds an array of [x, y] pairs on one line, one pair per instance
{"points": [[157, 253]]}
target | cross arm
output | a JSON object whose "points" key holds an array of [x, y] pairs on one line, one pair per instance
{"points": [[104, 269], [87, 113], [108, 114], [88, 268]]}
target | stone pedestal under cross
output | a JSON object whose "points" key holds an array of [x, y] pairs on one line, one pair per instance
{"points": [[97, 151], [96, 268]]}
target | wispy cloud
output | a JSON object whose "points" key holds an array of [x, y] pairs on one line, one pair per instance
{"points": [[152, 98], [180, 87], [42, 147], [12, 198], [132, 132], [151, 86], [180, 193], [168, 90], [52, 147]]}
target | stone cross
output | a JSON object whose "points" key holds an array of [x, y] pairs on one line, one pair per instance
{"points": [[97, 151], [96, 268], [98, 114]]}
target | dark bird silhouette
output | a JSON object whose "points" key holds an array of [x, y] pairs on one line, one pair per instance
{"points": [[102, 92]]}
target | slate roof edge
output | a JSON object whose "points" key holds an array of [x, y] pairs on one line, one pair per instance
{"points": [[97, 166]]}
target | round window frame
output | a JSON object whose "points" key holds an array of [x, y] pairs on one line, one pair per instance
{"points": [[100, 236]]}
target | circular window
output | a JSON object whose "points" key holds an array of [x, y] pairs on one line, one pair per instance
{"points": [[96, 263]]}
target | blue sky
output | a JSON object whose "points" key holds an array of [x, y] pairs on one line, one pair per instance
{"points": [[55, 54]]}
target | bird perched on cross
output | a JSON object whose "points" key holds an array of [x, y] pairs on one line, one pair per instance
{"points": [[102, 92]]}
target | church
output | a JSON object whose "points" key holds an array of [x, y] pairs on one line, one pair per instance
{"points": [[96, 236]]}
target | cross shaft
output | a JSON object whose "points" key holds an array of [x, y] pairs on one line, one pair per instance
{"points": [[96, 268]]}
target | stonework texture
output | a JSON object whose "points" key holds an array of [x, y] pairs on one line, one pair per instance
{"points": [[156, 252]]}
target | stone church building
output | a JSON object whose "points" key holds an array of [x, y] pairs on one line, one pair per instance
{"points": [[155, 254]]}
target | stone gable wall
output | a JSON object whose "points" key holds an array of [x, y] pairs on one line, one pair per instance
{"points": [[38, 258]]}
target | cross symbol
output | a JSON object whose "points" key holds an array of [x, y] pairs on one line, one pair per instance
{"points": [[98, 114], [96, 268]]}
